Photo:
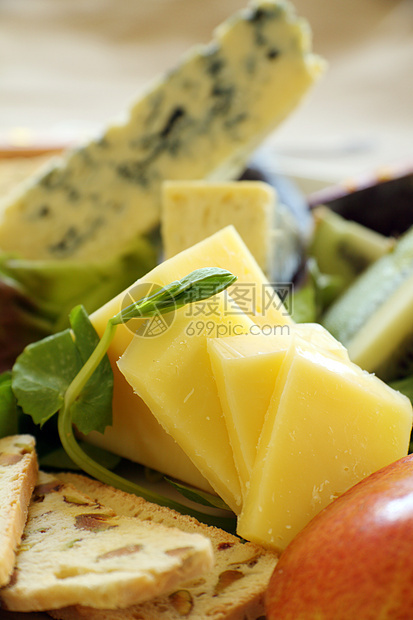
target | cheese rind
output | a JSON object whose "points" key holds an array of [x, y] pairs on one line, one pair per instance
{"points": [[202, 120], [193, 210], [329, 424]]}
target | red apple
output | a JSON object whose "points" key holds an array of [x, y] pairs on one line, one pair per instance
{"points": [[354, 560]]}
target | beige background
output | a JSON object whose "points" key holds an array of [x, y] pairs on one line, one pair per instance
{"points": [[68, 66]]}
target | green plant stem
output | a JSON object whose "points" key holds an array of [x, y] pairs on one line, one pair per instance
{"points": [[98, 471], [87, 370], [106, 476]]}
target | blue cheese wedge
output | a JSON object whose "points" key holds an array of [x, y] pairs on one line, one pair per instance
{"points": [[200, 121], [194, 210]]}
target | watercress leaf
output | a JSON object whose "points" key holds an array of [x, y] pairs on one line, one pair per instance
{"points": [[85, 336], [9, 411], [198, 496], [43, 372], [92, 410]]}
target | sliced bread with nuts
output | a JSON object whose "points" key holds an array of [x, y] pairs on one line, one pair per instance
{"points": [[75, 550], [233, 590], [18, 474]]}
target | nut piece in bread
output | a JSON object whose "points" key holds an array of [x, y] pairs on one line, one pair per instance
{"points": [[76, 551], [232, 590], [18, 474]]}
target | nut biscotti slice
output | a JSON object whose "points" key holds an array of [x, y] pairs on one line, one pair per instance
{"points": [[233, 590], [75, 550], [18, 473]]}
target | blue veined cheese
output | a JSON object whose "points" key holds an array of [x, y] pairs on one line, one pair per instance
{"points": [[194, 210], [200, 121]]}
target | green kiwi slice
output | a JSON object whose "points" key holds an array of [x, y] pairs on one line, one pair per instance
{"points": [[374, 317], [344, 248]]}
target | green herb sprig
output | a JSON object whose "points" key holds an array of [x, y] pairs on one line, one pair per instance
{"points": [[69, 374]]}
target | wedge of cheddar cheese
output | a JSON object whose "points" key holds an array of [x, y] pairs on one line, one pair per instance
{"points": [[245, 369], [135, 433], [201, 120], [329, 425], [173, 376]]}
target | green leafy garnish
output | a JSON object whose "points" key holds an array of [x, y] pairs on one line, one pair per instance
{"points": [[198, 496], [198, 285], [92, 410], [313, 295], [69, 374], [44, 372], [9, 415]]}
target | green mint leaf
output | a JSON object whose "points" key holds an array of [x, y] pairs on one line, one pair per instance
{"points": [[42, 374], [9, 411], [196, 286], [198, 496], [92, 410]]}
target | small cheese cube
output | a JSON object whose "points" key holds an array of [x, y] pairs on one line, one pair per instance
{"points": [[329, 424], [193, 210]]}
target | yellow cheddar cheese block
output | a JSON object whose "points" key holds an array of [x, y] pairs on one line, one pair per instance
{"points": [[316, 334], [193, 210], [329, 424], [135, 433], [245, 370], [173, 376]]}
